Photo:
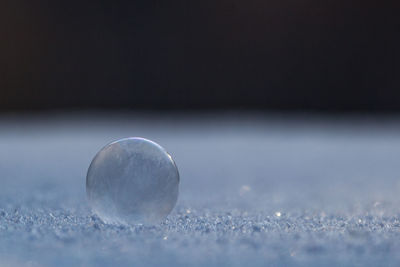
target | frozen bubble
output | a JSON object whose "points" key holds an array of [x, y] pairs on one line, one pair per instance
{"points": [[132, 180]]}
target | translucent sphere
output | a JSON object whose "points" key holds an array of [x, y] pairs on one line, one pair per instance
{"points": [[132, 180]]}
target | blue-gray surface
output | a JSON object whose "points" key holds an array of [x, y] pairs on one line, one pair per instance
{"points": [[255, 190]]}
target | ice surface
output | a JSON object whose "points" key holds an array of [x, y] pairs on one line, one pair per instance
{"points": [[132, 180], [254, 191]]}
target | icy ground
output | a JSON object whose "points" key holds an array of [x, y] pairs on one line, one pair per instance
{"points": [[255, 191]]}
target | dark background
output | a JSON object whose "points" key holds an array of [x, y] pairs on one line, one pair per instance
{"points": [[331, 55]]}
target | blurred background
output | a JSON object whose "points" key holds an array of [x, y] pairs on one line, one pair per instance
{"points": [[289, 55], [262, 95]]}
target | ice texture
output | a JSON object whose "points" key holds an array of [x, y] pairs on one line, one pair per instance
{"points": [[132, 180], [255, 190]]}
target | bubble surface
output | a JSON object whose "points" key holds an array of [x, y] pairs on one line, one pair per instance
{"points": [[132, 180]]}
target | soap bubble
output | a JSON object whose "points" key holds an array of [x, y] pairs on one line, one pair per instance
{"points": [[132, 180]]}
